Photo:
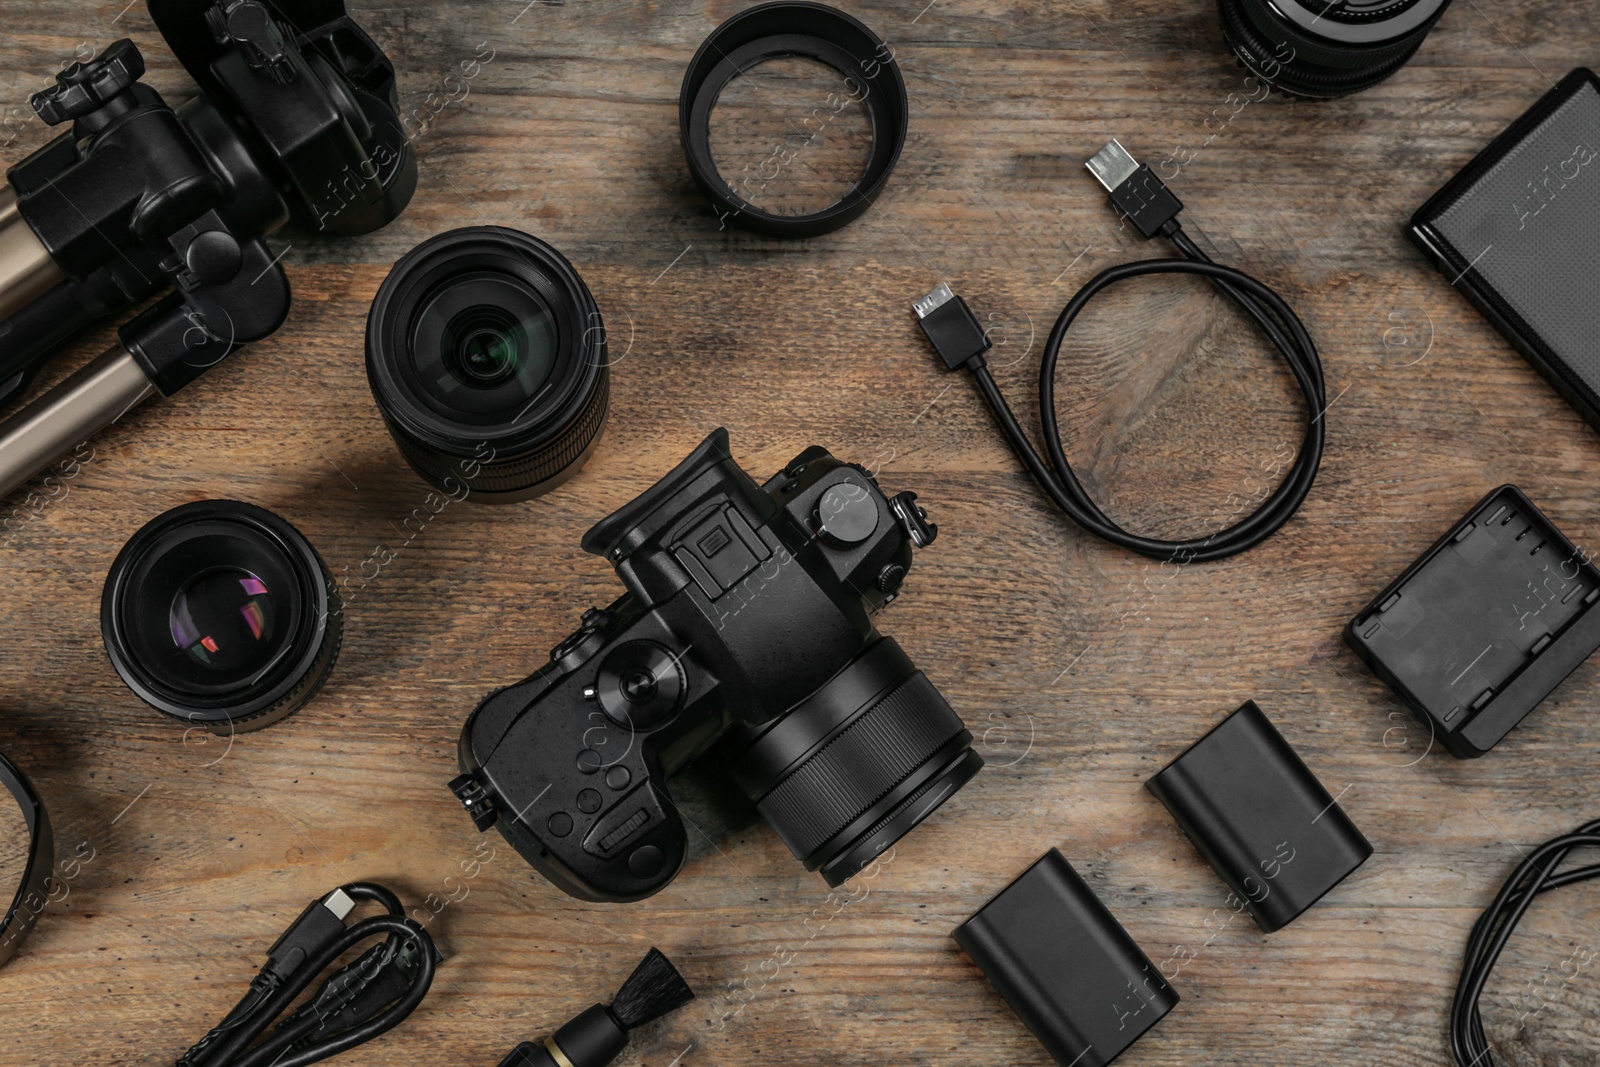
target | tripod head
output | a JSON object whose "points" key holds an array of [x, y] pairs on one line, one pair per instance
{"points": [[297, 119]]}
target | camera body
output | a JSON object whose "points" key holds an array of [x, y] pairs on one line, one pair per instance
{"points": [[746, 634]]}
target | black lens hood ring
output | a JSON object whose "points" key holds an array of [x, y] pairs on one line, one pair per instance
{"points": [[810, 31], [34, 890]]}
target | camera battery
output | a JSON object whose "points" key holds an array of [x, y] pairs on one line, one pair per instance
{"points": [[1485, 624], [1066, 966], [1254, 810]]}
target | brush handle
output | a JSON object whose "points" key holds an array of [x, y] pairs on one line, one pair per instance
{"points": [[529, 1054], [593, 1039]]}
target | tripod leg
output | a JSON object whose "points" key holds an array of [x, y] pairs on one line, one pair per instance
{"points": [[91, 399], [26, 269]]}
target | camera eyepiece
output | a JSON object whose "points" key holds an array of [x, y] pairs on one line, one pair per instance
{"points": [[487, 355], [221, 614], [1327, 48]]}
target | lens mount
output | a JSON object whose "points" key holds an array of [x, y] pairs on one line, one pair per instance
{"points": [[222, 615], [487, 355], [809, 31], [852, 769]]}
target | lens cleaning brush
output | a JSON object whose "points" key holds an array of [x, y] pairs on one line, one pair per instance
{"points": [[599, 1034]]}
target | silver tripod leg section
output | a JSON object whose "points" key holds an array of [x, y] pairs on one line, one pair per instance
{"points": [[91, 399], [26, 269]]}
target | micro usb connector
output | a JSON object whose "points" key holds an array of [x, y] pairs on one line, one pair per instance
{"points": [[953, 329]]}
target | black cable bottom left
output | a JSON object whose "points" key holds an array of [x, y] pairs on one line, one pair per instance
{"points": [[356, 1003]]}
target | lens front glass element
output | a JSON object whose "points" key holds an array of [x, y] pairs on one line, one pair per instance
{"points": [[484, 345], [225, 619]]}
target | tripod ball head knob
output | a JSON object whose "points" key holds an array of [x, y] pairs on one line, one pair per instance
{"points": [[84, 88]]}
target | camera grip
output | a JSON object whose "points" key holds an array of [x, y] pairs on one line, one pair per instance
{"points": [[575, 793], [630, 849]]}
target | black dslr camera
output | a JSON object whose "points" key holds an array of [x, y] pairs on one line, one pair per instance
{"points": [[746, 634]]}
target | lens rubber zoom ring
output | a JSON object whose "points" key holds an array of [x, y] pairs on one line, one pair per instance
{"points": [[860, 765], [509, 475]]}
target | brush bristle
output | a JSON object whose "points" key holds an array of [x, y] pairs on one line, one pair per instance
{"points": [[653, 989]]}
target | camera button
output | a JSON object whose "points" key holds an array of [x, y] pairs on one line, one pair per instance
{"points": [[646, 861], [560, 824], [618, 777], [627, 820], [589, 801]]}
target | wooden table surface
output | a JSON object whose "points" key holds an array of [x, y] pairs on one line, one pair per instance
{"points": [[1081, 668]]}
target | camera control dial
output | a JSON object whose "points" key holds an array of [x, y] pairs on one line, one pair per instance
{"points": [[641, 685]]}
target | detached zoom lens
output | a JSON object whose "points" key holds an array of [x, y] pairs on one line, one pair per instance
{"points": [[850, 771], [487, 356], [221, 614], [1327, 48]]}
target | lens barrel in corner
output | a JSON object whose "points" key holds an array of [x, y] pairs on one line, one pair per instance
{"points": [[858, 765], [487, 355], [222, 615], [1325, 49]]}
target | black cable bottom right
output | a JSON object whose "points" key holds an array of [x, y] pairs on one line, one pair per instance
{"points": [[1494, 928]]}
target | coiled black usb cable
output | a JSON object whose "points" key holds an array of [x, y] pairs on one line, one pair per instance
{"points": [[1146, 201], [358, 1002], [1535, 875]]}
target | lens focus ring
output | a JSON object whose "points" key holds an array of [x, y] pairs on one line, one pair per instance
{"points": [[520, 472], [844, 779]]}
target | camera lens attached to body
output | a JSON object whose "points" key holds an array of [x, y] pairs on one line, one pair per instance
{"points": [[487, 355], [221, 614], [850, 771], [745, 641], [1327, 48]]}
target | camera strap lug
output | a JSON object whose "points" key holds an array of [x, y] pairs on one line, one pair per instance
{"points": [[913, 519], [475, 798]]}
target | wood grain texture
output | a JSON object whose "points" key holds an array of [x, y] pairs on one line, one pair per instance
{"points": [[1082, 669]]}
